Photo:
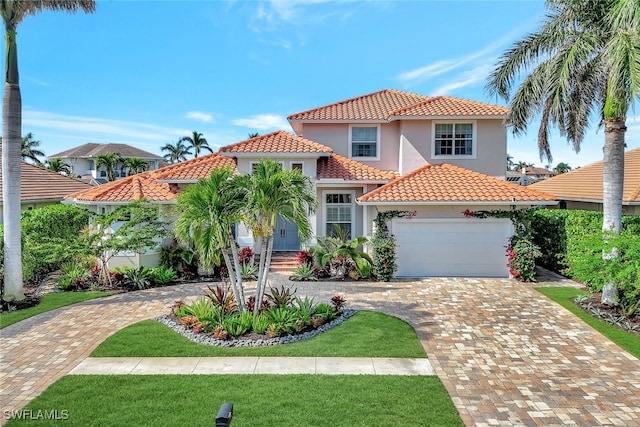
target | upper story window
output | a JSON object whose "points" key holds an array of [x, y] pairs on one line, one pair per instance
{"points": [[364, 141], [454, 140]]}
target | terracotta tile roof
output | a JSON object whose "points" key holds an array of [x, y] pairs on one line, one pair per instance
{"points": [[533, 171], [135, 187], [585, 183], [39, 184], [93, 149], [373, 106], [276, 142], [450, 106], [448, 183], [194, 169], [391, 104], [338, 167]]}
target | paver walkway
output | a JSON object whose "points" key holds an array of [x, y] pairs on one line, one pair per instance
{"points": [[506, 354]]}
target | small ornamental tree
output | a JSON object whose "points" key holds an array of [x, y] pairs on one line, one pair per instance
{"points": [[140, 227]]}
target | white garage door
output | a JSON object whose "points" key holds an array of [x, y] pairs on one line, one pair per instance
{"points": [[452, 247]]}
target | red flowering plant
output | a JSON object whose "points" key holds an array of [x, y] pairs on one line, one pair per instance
{"points": [[522, 252]]}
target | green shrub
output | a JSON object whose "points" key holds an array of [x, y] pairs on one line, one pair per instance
{"points": [[162, 275], [522, 254], [384, 258], [135, 278], [248, 271], [304, 272], [73, 276]]}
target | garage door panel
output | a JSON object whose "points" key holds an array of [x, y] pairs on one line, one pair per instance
{"points": [[458, 248]]}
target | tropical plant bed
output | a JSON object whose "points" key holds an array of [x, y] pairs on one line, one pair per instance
{"points": [[613, 315], [252, 339]]}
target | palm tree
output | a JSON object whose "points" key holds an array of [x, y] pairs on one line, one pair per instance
{"points": [[110, 162], [176, 153], [13, 12], [583, 59], [197, 142], [58, 165], [29, 149], [274, 192], [510, 163], [562, 167], [135, 165], [208, 212], [520, 166], [254, 135]]}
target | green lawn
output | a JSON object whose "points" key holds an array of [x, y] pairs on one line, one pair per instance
{"points": [[564, 297], [367, 334], [48, 302], [259, 400]]}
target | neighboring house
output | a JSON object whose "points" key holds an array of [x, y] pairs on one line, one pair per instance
{"points": [[582, 188], [389, 150], [82, 159], [519, 178], [536, 174], [40, 187]]}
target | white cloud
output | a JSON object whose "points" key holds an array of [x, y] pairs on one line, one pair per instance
{"points": [[465, 79], [263, 122], [481, 60], [199, 115]]}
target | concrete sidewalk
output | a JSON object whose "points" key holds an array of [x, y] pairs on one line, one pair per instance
{"points": [[252, 365]]}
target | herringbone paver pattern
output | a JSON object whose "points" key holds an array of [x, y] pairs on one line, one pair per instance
{"points": [[506, 354]]}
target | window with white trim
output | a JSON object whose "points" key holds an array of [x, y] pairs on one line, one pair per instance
{"points": [[338, 211], [363, 141], [453, 140]]}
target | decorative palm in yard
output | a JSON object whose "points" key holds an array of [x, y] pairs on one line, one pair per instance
{"points": [[274, 192], [209, 210], [13, 12], [583, 61]]}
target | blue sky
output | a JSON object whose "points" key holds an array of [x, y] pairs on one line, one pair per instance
{"points": [[146, 73]]}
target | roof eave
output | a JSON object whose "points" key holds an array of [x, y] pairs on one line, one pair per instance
{"points": [[290, 155], [458, 202], [350, 181], [447, 117]]}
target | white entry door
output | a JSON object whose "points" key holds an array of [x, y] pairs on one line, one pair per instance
{"points": [[468, 247]]}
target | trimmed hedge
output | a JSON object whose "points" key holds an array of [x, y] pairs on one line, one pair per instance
{"points": [[560, 233]]}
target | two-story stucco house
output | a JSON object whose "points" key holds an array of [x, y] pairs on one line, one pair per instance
{"points": [[389, 150], [82, 159]]}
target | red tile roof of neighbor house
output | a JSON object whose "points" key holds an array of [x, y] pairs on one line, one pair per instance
{"points": [[448, 183], [338, 167], [277, 142], [585, 183], [194, 169], [143, 185], [390, 103], [39, 184], [92, 149]]}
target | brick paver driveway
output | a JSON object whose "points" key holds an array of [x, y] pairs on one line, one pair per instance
{"points": [[506, 354]]}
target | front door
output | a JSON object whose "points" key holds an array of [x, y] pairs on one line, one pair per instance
{"points": [[285, 236]]}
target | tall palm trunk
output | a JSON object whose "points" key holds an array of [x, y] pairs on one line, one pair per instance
{"points": [[612, 188], [234, 281], [11, 156], [237, 270]]}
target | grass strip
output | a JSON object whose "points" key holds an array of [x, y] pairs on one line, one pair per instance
{"points": [[564, 296], [367, 334], [48, 302], [259, 400]]}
